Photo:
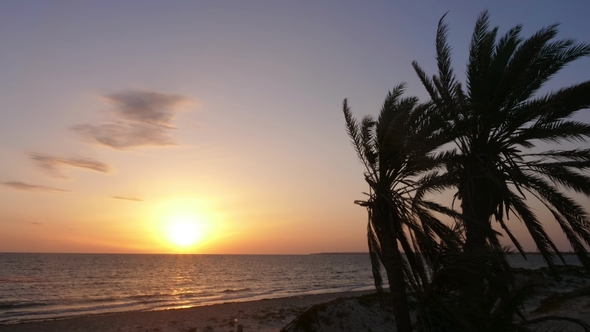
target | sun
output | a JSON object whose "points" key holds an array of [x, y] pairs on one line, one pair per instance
{"points": [[184, 230], [183, 224]]}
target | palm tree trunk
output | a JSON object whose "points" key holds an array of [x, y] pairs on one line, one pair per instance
{"points": [[477, 205], [476, 225], [392, 261], [397, 286], [472, 294]]}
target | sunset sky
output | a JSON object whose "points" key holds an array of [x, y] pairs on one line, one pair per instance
{"points": [[121, 121]]}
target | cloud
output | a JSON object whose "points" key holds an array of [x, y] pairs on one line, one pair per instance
{"points": [[31, 187], [53, 164], [135, 199], [148, 107], [123, 136], [140, 118]]}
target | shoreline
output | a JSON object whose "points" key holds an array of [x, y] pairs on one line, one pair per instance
{"points": [[264, 315], [567, 296], [77, 312]]}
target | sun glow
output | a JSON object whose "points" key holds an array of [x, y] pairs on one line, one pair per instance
{"points": [[184, 230], [184, 224]]}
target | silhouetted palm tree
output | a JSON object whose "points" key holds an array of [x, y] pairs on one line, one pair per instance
{"points": [[497, 121], [396, 151]]}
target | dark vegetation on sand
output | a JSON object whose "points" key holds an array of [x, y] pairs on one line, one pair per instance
{"points": [[551, 295]]}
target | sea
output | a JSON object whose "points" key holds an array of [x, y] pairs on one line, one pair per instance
{"points": [[37, 287]]}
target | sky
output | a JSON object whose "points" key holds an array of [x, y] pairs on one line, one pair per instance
{"points": [[214, 126]]}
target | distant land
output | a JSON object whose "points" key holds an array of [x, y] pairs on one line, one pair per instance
{"points": [[340, 253], [366, 253], [538, 253]]}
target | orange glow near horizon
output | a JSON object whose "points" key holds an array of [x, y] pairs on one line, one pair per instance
{"points": [[183, 224]]}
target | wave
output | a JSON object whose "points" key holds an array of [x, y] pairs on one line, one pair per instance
{"points": [[18, 305], [238, 290], [57, 311], [20, 280]]}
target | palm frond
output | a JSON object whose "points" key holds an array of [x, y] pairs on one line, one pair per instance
{"points": [[503, 52], [565, 176], [428, 84], [543, 242], [515, 80], [445, 81], [367, 139], [353, 130], [555, 132], [580, 155], [481, 51]]}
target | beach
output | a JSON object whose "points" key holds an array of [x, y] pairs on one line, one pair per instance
{"points": [[266, 298], [341, 311], [263, 315]]}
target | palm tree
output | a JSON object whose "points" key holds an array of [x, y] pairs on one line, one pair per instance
{"points": [[497, 121], [395, 150], [499, 117]]}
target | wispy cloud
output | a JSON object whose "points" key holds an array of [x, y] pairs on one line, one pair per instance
{"points": [[135, 199], [140, 118], [147, 106], [123, 136], [32, 187], [54, 164]]}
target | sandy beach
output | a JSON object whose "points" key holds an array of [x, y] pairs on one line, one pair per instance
{"points": [[345, 311], [263, 315]]}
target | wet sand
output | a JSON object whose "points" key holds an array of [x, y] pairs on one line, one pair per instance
{"points": [[262, 315]]}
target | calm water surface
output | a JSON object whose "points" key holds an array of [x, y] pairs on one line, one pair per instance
{"points": [[42, 286], [47, 286]]}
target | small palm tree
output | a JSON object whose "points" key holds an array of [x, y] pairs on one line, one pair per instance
{"points": [[396, 150], [439, 307]]}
